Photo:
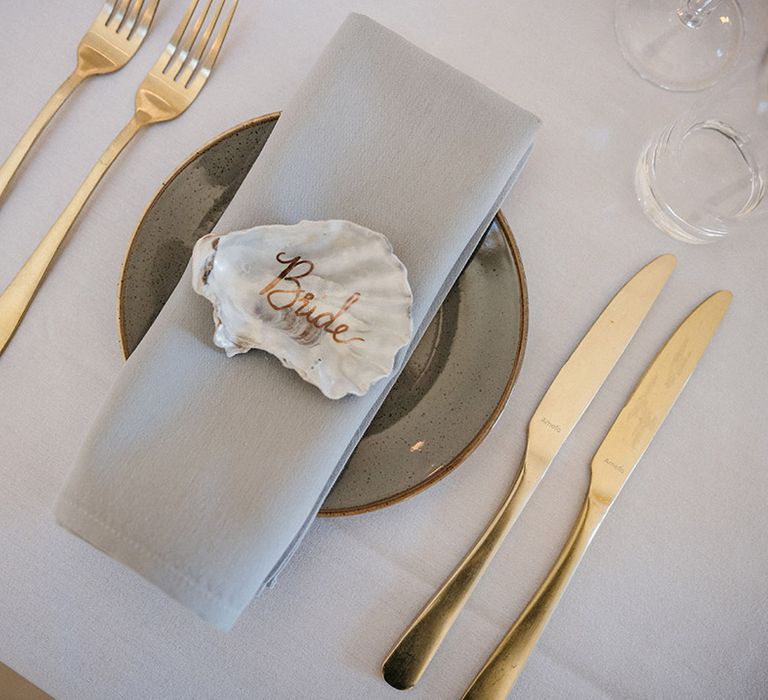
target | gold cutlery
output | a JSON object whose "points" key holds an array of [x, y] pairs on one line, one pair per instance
{"points": [[622, 449], [565, 401], [169, 88], [111, 41]]}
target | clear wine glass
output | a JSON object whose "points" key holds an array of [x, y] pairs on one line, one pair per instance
{"points": [[704, 176], [680, 44]]}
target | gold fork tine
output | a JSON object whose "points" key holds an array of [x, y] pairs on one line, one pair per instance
{"points": [[132, 16], [145, 20], [123, 16], [197, 54], [210, 59], [160, 97], [113, 10], [107, 12], [189, 40], [118, 16], [170, 49], [103, 49]]}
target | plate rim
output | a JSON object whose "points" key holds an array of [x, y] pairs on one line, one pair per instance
{"points": [[444, 469], [271, 116]]}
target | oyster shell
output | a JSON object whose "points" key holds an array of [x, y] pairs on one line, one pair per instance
{"points": [[329, 299]]}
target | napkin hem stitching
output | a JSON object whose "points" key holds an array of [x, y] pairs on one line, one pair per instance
{"points": [[185, 578]]}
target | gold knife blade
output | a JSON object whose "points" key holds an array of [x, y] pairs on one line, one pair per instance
{"points": [[580, 378], [656, 393], [620, 451], [563, 404]]}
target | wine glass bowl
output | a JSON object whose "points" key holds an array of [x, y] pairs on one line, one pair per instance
{"points": [[682, 45]]}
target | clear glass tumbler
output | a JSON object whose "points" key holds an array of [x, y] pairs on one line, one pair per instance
{"points": [[704, 176]]}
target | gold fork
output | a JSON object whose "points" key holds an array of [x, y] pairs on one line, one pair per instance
{"points": [[112, 40], [168, 89]]}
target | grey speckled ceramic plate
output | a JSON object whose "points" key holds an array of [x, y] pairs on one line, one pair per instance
{"points": [[457, 380]]}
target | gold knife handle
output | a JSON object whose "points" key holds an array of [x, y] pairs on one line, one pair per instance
{"points": [[19, 293], [19, 153], [410, 657], [501, 671]]}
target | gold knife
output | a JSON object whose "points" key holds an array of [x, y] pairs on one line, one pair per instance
{"points": [[612, 464], [567, 398]]}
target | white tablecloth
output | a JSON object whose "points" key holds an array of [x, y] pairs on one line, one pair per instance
{"points": [[670, 601]]}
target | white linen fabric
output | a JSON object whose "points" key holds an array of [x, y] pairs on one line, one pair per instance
{"points": [[203, 472], [669, 602]]}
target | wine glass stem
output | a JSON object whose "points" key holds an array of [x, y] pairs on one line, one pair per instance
{"points": [[696, 11]]}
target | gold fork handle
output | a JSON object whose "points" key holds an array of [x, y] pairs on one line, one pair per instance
{"points": [[22, 148], [19, 293], [410, 657], [496, 679]]}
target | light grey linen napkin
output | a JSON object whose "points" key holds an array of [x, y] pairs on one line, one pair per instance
{"points": [[203, 473]]}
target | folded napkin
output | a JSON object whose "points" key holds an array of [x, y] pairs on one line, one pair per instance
{"points": [[203, 473]]}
